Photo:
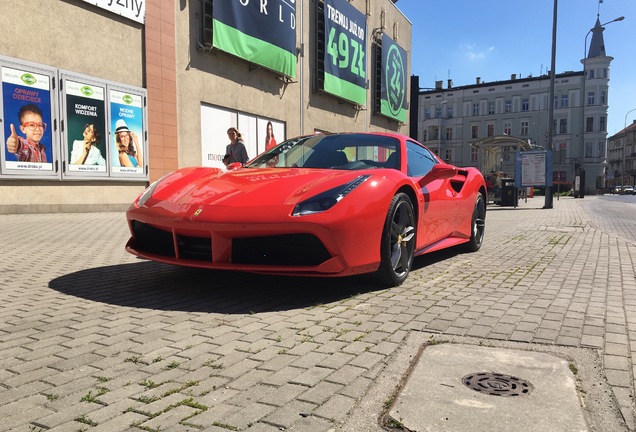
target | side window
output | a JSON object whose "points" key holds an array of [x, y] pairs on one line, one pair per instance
{"points": [[421, 161]]}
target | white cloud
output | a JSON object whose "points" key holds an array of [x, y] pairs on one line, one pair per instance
{"points": [[472, 51]]}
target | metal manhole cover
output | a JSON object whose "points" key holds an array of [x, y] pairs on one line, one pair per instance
{"points": [[497, 384]]}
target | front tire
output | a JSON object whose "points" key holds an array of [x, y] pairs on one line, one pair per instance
{"points": [[478, 225], [398, 242]]}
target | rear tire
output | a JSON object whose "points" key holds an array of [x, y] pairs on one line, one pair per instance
{"points": [[398, 242], [478, 225]]}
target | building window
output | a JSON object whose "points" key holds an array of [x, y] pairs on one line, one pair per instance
{"points": [[449, 112], [563, 126], [524, 128], [601, 125], [474, 154], [491, 130], [600, 150], [560, 153], [491, 107], [589, 124], [588, 149], [605, 73], [603, 97], [438, 112], [427, 113], [556, 101], [507, 129], [590, 98], [591, 72], [449, 133], [425, 136], [509, 106], [475, 109], [448, 155], [565, 102], [525, 105], [475, 130]]}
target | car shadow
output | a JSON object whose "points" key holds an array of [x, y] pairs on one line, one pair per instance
{"points": [[151, 285]]}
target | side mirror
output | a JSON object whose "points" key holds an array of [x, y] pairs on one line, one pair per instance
{"points": [[439, 171]]}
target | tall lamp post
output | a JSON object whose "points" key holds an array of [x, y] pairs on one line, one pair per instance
{"points": [[625, 149], [584, 98], [548, 189]]}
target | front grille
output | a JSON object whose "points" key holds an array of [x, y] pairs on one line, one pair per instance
{"points": [[284, 250], [153, 240], [195, 248]]}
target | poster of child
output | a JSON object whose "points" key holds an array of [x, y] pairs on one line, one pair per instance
{"points": [[85, 127], [27, 110]]}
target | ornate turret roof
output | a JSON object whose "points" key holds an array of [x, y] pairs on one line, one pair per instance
{"points": [[597, 45]]}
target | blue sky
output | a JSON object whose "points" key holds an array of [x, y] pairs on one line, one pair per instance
{"points": [[465, 39]]}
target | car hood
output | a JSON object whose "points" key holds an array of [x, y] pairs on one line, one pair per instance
{"points": [[247, 187]]}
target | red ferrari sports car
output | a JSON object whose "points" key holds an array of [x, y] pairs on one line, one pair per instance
{"points": [[320, 205]]}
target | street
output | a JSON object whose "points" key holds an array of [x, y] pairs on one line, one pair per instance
{"points": [[93, 338]]}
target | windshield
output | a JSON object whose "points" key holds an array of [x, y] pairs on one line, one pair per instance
{"points": [[338, 151]]}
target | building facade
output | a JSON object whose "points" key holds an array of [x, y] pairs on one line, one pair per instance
{"points": [[621, 157], [172, 75], [484, 123]]}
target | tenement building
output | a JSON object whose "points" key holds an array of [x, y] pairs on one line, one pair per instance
{"points": [[621, 157], [103, 97], [484, 123]]}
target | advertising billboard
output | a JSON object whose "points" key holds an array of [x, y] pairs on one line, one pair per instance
{"points": [[393, 103], [85, 132], [345, 53], [127, 138], [28, 121], [64, 125], [261, 32]]}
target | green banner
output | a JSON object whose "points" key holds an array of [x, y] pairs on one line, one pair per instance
{"points": [[262, 33], [393, 102], [345, 51]]}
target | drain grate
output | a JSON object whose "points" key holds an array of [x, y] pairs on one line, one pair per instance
{"points": [[497, 384]]}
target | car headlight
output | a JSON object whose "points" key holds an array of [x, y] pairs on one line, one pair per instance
{"points": [[326, 200], [147, 194]]}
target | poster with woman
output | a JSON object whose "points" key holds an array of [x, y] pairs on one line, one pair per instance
{"points": [[85, 132], [126, 125], [26, 98]]}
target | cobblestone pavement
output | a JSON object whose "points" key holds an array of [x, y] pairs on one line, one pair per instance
{"points": [[94, 339]]}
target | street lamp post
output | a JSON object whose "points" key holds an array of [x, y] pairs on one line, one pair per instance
{"points": [[548, 189], [584, 97]]}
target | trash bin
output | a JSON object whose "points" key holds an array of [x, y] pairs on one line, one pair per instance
{"points": [[508, 193]]}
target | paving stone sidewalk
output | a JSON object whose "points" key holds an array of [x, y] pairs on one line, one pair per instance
{"points": [[94, 339]]}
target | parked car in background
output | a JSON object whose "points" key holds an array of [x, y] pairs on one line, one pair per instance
{"points": [[628, 190]]}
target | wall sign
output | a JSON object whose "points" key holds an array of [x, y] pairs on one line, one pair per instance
{"points": [[345, 53], [132, 9], [262, 32], [393, 101]]}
